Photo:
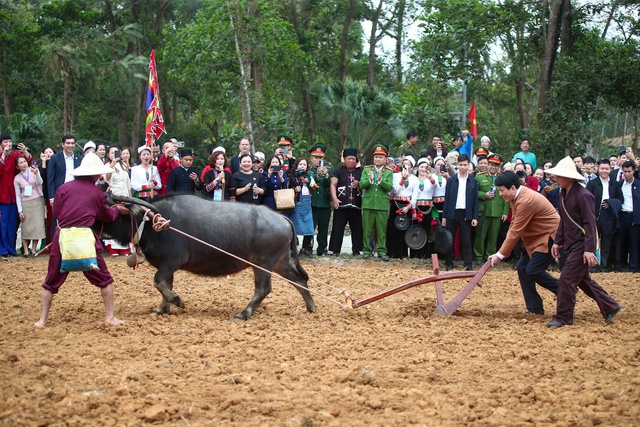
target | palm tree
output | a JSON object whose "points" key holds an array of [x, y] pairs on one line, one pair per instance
{"points": [[368, 111]]}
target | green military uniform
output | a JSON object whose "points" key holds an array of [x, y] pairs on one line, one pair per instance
{"points": [[320, 201], [375, 205], [490, 213], [406, 147]]}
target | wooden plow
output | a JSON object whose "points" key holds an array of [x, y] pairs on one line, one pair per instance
{"points": [[442, 308]]}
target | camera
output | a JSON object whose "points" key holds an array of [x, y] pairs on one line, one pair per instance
{"points": [[276, 168], [14, 147], [300, 173], [180, 144], [285, 151]]}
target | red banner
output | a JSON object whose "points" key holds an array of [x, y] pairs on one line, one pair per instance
{"points": [[155, 123], [472, 119]]}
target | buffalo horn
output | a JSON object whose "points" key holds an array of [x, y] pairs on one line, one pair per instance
{"points": [[127, 199]]}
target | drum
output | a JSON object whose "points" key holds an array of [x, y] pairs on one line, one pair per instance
{"points": [[415, 237], [443, 240], [401, 222]]}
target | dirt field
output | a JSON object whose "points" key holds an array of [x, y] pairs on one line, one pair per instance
{"points": [[393, 362]]}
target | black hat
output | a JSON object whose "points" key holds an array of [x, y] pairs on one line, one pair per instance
{"points": [[255, 159], [350, 152], [185, 152]]}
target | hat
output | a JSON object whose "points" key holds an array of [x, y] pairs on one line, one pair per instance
{"points": [[567, 169], [438, 158], [350, 152], [255, 159], [91, 165], [411, 160], [219, 148], [318, 150], [284, 140], [259, 155], [423, 160], [88, 145], [143, 147], [481, 152], [495, 159], [380, 149], [186, 152]]}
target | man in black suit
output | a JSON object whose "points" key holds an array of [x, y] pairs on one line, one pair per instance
{"points": [[605, 188], [61, 165], [59, 170], [629, 220]]}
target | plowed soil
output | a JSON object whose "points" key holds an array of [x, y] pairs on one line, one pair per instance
{"points": [[393, 362]]}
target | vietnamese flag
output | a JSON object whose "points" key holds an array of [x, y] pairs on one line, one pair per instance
{"points": [[472, 119]]}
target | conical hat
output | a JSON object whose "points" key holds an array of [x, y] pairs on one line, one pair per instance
{"points": [[566, 168], [91, 165]]}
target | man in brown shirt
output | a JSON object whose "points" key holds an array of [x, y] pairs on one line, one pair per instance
{"points": [[535, 221], [577, 235]]}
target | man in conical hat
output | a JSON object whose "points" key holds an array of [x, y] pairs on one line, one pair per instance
{"points": [[577, 235], [79, 203]]}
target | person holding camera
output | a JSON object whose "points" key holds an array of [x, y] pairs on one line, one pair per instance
{"points": [[301, 215], [248, 184], [166, 163], [402, 202], [275, 178], [119, 185], [186, 178], [30, 203], [284, 150], [320, 172], [8, 206]]}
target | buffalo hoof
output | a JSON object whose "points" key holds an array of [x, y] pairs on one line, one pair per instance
{"points": [[313, 309], [159, 312], [177, 301], [238, 318]]}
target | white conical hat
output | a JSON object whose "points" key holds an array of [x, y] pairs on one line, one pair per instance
{"points": [[91, 165], [566, 168]]}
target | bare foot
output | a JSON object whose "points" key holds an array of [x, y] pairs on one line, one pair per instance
{"points": [[40, 324], [113, 321]]}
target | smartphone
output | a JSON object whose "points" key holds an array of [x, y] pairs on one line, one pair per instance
{"points": [[443, 168], [180, 144], [554, 186], [322, 163], [276, 168], [285, 151], [14, 147], [623, 148], [116, 154]]}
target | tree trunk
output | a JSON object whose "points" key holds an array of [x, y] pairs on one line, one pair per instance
{"points": [[257, 71], [65, 119], [522, 107], [548, 59], [245, 69], [158, 25], [72, 108], [399, 40], [373, 40], [343, 67], [139, 101], [566, 35], [306, 96]]}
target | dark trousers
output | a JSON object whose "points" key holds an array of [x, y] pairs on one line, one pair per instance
{"points": [[458, 222], [8, 228], [396, 245], [606, 243], [575, 274], [321, 217], [341, 217], [534, 270], [628, 236]]}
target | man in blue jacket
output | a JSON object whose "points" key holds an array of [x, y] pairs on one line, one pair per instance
{"points": [[460, 210], [61, 165]]}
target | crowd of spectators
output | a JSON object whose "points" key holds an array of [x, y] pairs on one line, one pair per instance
{"points": [[434, 189]]}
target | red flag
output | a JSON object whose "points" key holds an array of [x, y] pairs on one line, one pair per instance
{"points": [[155, 122], [472, 119]]}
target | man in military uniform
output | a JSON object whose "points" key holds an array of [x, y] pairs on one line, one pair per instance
{"points": [[493, 210], [411, 146], [480, 160], [284, 149], [320, 199], [377, 182], [184, 179]]}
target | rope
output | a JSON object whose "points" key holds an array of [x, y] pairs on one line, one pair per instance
{"points": [[163, 224]]}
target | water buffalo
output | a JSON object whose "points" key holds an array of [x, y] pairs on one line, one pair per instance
{"points": [[254, 233]]}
